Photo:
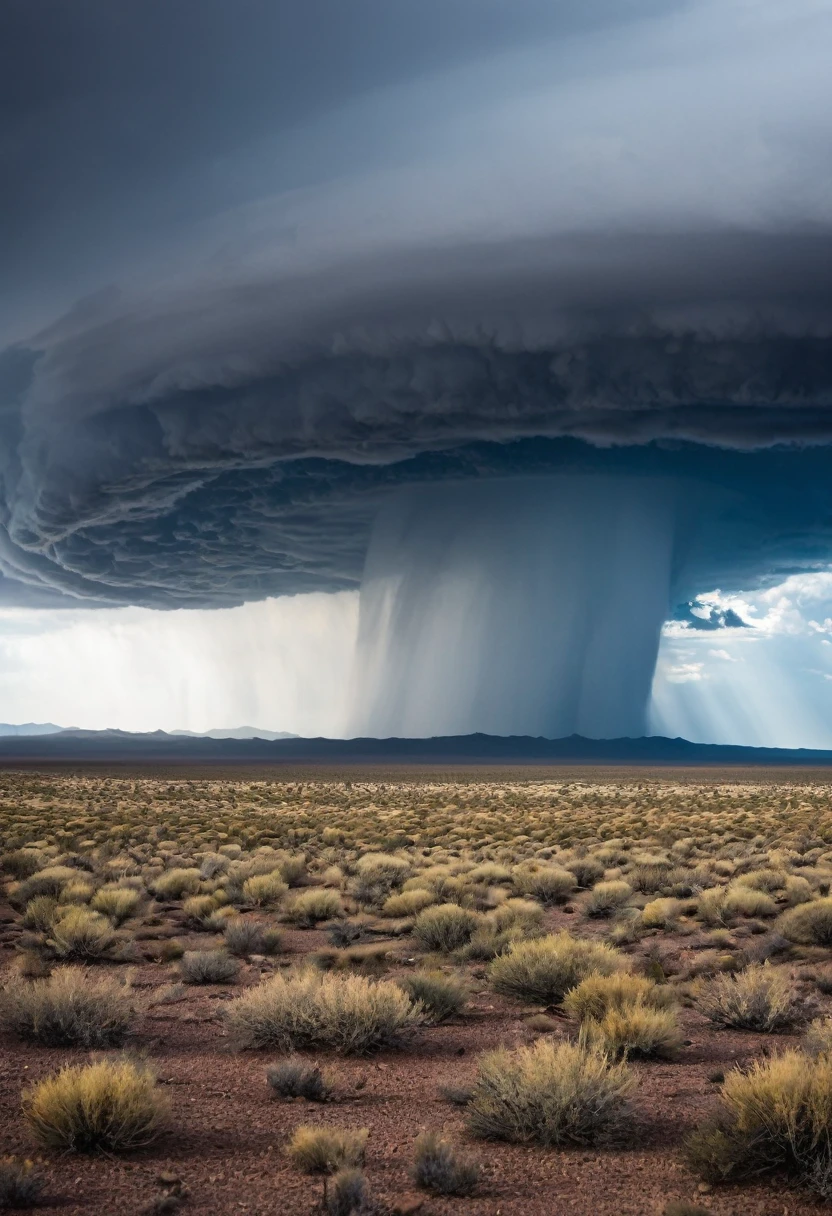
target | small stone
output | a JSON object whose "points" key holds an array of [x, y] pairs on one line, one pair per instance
{"points": [[704, 1188], [406, 1205]]}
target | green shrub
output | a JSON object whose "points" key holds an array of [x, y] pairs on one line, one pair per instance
{"points": [[758, 998], [543, 970], [445, 927], [438, 1168], [112, 1105], [442, 996], [809, 924], [549, 1093], [324, 1150], [349, 1013], [313, 906], [80, 934], [72, 1008], [208, 967]]}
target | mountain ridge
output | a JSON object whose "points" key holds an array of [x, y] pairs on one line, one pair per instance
{"points": [[118, 745]]}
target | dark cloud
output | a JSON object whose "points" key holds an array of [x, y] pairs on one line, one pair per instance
{"points": [[270, 263]]}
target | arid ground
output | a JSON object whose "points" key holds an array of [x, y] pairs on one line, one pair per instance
{"points": [[694, 879]]}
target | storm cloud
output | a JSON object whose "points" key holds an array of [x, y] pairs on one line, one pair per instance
{"points": [[281, 277]]}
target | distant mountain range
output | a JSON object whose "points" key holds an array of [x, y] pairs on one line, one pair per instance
{"points": [[181, 747], [217, 732]]}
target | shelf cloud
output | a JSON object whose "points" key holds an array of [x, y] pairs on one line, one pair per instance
{"points": [[313, 299]]}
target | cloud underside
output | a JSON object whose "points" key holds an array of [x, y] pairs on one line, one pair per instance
{"points": [[237, 440]]}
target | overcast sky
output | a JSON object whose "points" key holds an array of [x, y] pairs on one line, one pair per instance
{"points": [[272, 268]]}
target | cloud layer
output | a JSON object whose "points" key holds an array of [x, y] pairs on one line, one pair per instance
{"points": [[480, 247]]}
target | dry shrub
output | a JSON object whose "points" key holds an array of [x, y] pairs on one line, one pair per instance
{"points": [[809, 924], [313, 906], [445, 927], [112, 1105], [549, 884], [747, 901], [243, 937], [325, 1150], [407, 903], [522, 916], [348, 1013], [439, 1168], [79, 934], [208, 967], [175, 883], [759, 998], [762, 880], [118, 903], [200, 910], [543, 970], [265, 890], [607, 898], [292, 1078], [661, 913], [636, 1030], [40, 913], [777, 1115], [549, 1093], [587, 870], [597, 994], [21, 1183], [442, 996], [819, 1037], [72, 1008], [347, 1193]]}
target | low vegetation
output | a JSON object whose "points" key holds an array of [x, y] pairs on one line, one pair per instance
{"points": [[111, 1105]]}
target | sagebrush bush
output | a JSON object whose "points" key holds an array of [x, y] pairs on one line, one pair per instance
{"points": [[661, 913], [549, 884], [111, 1105], [636, 1030], [291, 1078], [543, 970], [243, 937], [208, 967], [445, 927], [441, 996], [265, 890], [313, 906], [597, 994], [81, 934], [809, 924], [21, 1183], [549, 1093], [440, 1169], [523, 916], [40, 912], [776, 1115], [347, 1192], [587, 870], [178, 882], [72, 1008], [118, 903], [747, 901], [758, 998], [347, 1013], [407, 903], [325, 1150], [607, 898]]}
